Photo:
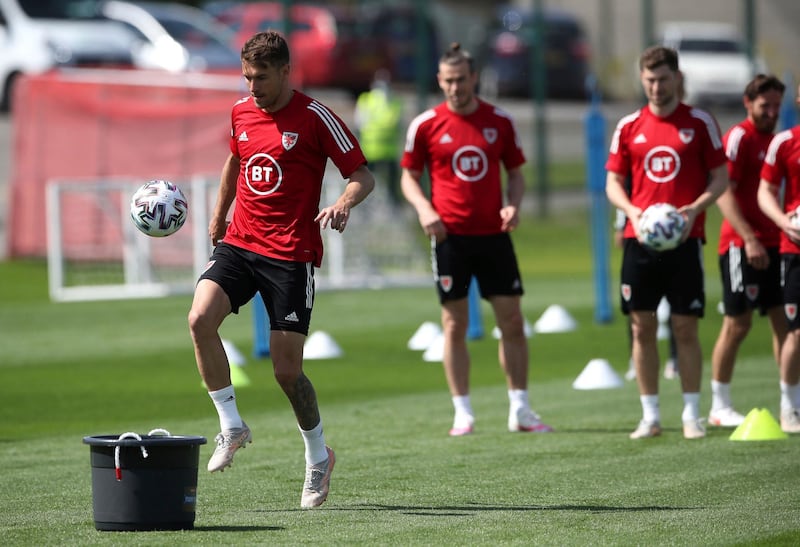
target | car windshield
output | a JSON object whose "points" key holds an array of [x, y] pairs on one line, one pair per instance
{"points": [[60, 9], [710, 45]]}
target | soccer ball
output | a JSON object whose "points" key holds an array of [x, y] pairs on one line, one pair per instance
{"points": [[661, 227], [794, 217], [159, 208]]}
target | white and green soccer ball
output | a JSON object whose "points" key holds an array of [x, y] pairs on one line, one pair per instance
{"points": [[661, 227], [159, 208]]}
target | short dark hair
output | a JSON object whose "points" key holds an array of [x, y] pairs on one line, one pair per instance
{"points": [[455, 55], [268, 48], [656, 56], [763, 83]]}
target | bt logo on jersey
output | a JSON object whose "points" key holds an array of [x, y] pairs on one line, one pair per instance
{"points": [[662, 164], [470, 163], [263, 174]]}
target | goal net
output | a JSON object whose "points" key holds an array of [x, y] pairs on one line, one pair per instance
{"points": [[94, 251]]}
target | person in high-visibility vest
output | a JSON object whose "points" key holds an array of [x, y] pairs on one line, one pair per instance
{"points": [[378, 119]]}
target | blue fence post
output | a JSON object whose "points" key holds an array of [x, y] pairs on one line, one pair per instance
{"points": [[260, 328], [788, 113], [475, 326], [595, 129]]}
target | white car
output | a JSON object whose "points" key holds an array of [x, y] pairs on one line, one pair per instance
{"points": [[176, 37], [36, 36], [713, 60]]}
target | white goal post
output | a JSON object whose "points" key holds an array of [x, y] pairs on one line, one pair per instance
{"points": [[94, 251]]}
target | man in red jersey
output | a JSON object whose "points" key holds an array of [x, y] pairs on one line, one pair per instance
{"points": [[280, 142], [749, 259], [463, 142], [673, 154], [782, 165]]}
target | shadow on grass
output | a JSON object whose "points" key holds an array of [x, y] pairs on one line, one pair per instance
{"points": [[465, 510], [239, 528], [470, 508]]}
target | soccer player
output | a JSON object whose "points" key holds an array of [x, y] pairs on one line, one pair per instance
{"points": [[280, 142], [463, 142], [673, 153], [748, 245], [782, 164]]}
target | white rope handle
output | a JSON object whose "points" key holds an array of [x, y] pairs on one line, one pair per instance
{"points": [[128, 435], [160, 431]]}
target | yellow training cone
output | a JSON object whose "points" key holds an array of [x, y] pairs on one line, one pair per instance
{"points": [[238, 377], [758, 425]]}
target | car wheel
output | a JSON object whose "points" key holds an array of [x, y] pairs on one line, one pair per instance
{"points": [[8, 88]]}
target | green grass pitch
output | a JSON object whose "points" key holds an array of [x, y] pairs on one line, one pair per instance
{"points": [[70, 370]]}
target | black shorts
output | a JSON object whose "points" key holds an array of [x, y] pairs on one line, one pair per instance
{"points": [[790, 280], [491, 259], [745, 288], [648, 275], [286, 287]]}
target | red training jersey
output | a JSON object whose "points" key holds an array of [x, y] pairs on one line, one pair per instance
{"points": [[283, 156], [746, 148], [668, 159], [463, 154], [782, 163]]}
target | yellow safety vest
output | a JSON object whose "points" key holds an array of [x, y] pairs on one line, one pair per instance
{"points": [[380, 130]]}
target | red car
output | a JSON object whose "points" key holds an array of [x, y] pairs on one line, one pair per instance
{"points": [[329, 48]]}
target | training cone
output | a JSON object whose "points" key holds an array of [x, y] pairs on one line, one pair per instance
{"points": [[320, 345], [555, 319], [238, 377], [235, 357], [758, 425], [435, 352], [528, 331], [597, 374], [424, 336]]}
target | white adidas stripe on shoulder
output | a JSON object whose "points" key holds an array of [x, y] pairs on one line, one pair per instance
{"points": [[711, 126], [413, 127], [735, 137], [625, 120], [775, 143], [333, 125]]}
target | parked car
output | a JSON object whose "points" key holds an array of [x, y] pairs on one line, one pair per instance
{"points": [[37, 35], [399, 27], [713, 60], [506, 61], [330, 47], [176, 37]]}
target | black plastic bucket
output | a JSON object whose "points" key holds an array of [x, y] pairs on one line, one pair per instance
{"points": [[134, 492]]}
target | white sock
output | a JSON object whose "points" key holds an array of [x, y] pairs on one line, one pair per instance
{"points": [[790, 396], [225, 401], [464, 415], [650, 410], [720, 395], [314, 440], [691, 407], [517, 399]]}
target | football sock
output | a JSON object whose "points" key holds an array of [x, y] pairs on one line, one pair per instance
{"points": [[315, 445], [518, 398], [650, 410], [225, 401], [720, 395], [790, 396], [691, 407], [464, 415]]}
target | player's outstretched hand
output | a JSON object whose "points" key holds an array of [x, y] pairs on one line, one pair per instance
{"points": [[335, 216]]}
